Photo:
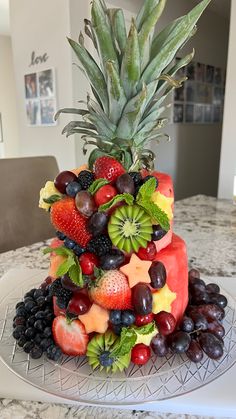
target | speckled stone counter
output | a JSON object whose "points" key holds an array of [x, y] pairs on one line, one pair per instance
{"points": [[207, 225]]}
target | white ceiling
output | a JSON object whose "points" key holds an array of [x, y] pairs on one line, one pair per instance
{"points": [[221, 7]]}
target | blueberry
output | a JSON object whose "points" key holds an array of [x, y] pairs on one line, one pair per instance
{"points": [[20, 304], [40, 315], [36, 352], [40, 301], [18, 332], [47, 332], [38, 293], [38, 338], [117, 329], [70, 244], [49, 317], [22, 341], [30, 293], [28, 346], [60, 235], [30, 333], [39, 325], [30, 321], [21, 311], [73, 188], [34, 310], [127, 318], [45, 343], [115, 317], [158, 233], [48, 299], [78, 250], [53, 353], [105, 359], [29, 305]]}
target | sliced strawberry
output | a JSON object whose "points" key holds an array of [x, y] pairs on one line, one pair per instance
{"points": [[112, 291], [66, 218], [108, 168], [70, 336]]}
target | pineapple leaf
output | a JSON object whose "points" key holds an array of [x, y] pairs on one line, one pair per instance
{"points": [[92, 70], [94, 108], [118, 24], [72, 131], [131, 115], [148, 128], [174, 42], [101, 128], [103, 35], [131, 66], [145, 11], [78, 124], [162, 37], [89, 32], [71, 111], [116, 95], [147, 28]]}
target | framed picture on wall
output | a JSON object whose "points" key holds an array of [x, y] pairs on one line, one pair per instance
{"points": [[40, 98]]}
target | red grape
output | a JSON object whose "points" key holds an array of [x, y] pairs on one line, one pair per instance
{"points": [[211, 345], [142, 299], [104, 194], [159, 345], [142, 320], [68, 284], [216, 329], [85, 203], [63, 179], [157, 273], [165, 322], [140, 354], [194, 352], [147, 253], [125, 184], [79, 304], [179, 342], [88, 261]]}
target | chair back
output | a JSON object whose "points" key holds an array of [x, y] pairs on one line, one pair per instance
{"points": [[22, 222]]}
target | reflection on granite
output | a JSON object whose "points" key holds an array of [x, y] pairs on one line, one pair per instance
{"points": [[207, 225]]}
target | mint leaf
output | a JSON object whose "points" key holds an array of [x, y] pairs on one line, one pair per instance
{"points": [[144, 330], [128, 198], [65, 266], [52, 199], [147, 189], [62, 251], [125, 343], [156, 213], [97, 184], [75, 274]]}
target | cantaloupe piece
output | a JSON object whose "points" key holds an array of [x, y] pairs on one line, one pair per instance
{"points": [[136, 271], [55, 262], [96, 319], [79, 169]]}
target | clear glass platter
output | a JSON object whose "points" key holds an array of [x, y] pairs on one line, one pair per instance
{"points": [[74, 380]]}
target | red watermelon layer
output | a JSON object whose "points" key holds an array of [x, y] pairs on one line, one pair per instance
{"points": [[174, 258]]}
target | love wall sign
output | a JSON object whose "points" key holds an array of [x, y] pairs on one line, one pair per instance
{"points": [[38, 59]]}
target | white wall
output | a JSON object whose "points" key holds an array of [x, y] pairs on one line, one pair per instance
{"points": [[228, 149], [42, 26], [8, 109]]}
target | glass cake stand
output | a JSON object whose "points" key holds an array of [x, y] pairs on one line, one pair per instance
{"points": [[73, 379]]}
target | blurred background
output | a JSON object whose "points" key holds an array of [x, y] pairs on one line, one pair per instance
{"points": [[37, 77]]}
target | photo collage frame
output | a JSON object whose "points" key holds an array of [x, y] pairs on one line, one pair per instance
{"points": [[201, 98], [40, 98]]}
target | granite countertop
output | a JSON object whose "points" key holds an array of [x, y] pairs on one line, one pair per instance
{"points": [[207, 225]]}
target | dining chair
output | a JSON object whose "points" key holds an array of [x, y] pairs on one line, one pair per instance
{"points": [[22, 222]]}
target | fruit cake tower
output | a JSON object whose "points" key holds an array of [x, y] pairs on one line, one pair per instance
{"points": [[118, 274]]}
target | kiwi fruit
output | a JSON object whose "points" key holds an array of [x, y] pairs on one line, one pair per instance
{"points": [[99, 353], [130, 228]]}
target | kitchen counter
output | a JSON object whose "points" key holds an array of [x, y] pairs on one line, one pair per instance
{"points": [[207, 225]]}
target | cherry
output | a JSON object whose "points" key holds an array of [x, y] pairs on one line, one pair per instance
{"points": [[63, 179], [140, 354], [142, 320], [79, 304], [88, 261], [104, 194], [147, 253], [165, 322]]}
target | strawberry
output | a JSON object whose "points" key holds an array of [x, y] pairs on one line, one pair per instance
{"points": [[66, 218], [70, 336], [108, 168], [111, 291]]}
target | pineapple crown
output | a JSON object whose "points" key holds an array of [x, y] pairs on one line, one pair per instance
{"points": [[134, 76]]}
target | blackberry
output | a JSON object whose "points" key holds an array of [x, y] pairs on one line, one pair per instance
{"points": [[100, 245], [150, 177], [85, 179], [63, 295], [137, 178], [56, 285]]}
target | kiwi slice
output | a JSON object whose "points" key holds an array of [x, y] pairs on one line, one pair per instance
{"points": [[130, 228], [99, 353]]}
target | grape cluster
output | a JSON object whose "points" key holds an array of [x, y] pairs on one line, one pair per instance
{"points": [[32, 324], [200, 330]]}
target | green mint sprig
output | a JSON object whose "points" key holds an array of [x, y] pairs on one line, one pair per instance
{"points": [[144, 330], [125, 343], [70, 265], [52, 199], [128, 198], [96, 185], [144, 200]]}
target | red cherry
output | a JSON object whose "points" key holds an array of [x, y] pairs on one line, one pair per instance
{"points": [[142, 320], [88, 261], [147, 253], [165, 322], [104, 194], [63, 179], [79, 304], [140, 354]]}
